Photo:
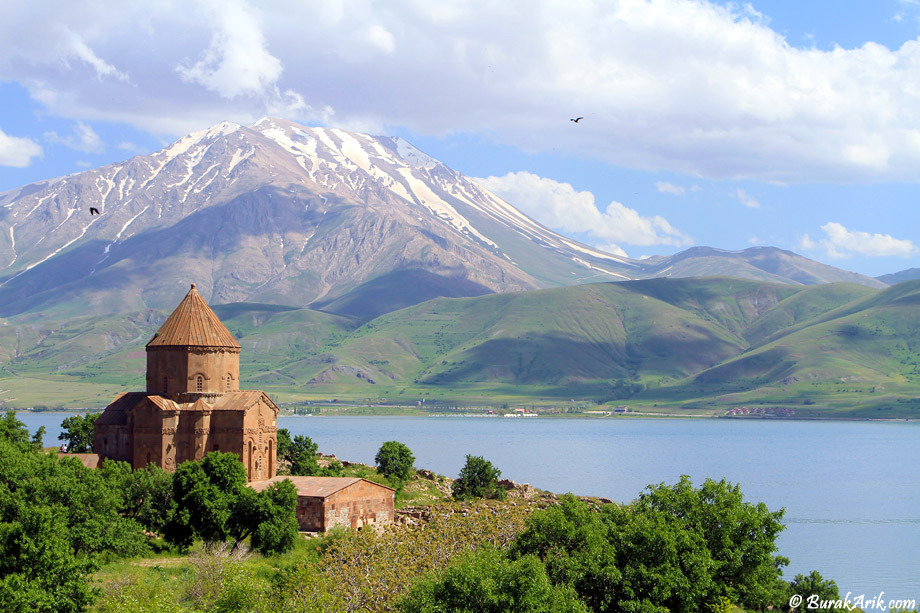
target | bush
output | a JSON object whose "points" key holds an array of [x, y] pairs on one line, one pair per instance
{"points": [[478, 479], [676, 548], [488, 582], [395, 461]]}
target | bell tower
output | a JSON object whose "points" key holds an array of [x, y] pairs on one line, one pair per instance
{"points": [[193, 355]]}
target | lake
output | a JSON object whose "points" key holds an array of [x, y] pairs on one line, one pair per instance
{"points": [[851, 490]]}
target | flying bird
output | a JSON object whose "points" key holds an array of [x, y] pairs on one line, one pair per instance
{"points": [[93, 211], [577, 120]]}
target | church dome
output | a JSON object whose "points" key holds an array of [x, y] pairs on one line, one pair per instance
{"points": [[193, 324]]}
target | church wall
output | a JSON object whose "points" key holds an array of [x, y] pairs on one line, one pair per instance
{"points": [[114, 442], [175, 370], [260, 433], [148, 431]]}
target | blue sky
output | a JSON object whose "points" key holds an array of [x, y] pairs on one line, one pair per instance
{"points": [[792, 124]]}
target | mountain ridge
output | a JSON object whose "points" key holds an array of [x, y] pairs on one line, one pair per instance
{"points": [[287, 214]]}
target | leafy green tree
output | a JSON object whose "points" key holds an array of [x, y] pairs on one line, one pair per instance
{"points": [[37, 438], [478, 479], [283, 438], [572, 541], [146, 493], [15, 432], [58, 521], [38, 570], [488, 582], [677, 548], [302, 455], [205, 494], [395, 460], [815, 590], [740, 536], [213, 503], [276, 527], [78, 432]]}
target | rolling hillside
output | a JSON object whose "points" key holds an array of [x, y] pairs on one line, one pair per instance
{"points": [[703, 343]]}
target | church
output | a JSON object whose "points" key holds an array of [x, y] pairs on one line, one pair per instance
{"points": [[193, 404]]}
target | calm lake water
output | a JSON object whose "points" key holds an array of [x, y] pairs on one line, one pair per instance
{"points": [[851, 490]]}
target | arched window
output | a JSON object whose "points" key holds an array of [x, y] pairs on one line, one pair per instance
{"points": [[165, 385], [228, 383], [260, 439], [200, 383]]}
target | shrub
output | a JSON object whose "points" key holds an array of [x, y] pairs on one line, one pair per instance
{"points": [[395, 461], [478, 479]]}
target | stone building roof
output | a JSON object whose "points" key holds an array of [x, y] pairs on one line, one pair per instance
{"points": [[89, 460], [314, 487], [193, 323]]}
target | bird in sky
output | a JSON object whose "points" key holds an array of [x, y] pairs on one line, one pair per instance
{"points": [[577, 120], [93, 211]]}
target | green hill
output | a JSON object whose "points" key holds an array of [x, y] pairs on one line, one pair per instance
{"points": [[661, 344]]}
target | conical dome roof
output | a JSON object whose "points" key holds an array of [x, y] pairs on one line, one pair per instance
{"points": [[194, 324]]}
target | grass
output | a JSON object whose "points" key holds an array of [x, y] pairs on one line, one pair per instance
{"points": [[701, 343]]}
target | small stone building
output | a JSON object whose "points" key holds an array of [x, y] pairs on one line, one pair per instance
{"points": [[193, 404], [325, 502]]}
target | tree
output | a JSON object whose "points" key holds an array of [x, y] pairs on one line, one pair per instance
{"points": [[78, 432], [487, 582], [283, 438], [58, 521], [395, 461], [478, 479], [815, 590], [740, 536], [572, 541], [205, 494], [146, 492], [15, 432], [302, 455], [213, 503], [677, 548], [276, 528]]}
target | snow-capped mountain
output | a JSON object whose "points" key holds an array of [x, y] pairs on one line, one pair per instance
{"points": [[274, 212], [282, 213]]}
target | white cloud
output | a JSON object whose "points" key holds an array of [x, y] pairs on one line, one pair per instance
{"points": [[237, 61], [612, 249], [755, 240], [695, 87], [84, 138], [669, 188], [842, 243], [561, 207], [746, 200], [82, 51], [16, 151]]}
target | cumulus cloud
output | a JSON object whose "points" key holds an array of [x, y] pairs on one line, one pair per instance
{"points": [[842, 243], [746, 200], [698, 87], [237, 61], [84, 138], [16, 151], [561, 207]]}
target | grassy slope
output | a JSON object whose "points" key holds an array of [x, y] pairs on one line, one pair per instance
{"points": [[864, 355], [690, 342]]}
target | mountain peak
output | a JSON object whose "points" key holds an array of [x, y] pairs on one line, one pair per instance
{"points": [[284, 213]]}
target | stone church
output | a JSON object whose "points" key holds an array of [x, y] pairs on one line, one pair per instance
{"points": [[193, 404]]}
